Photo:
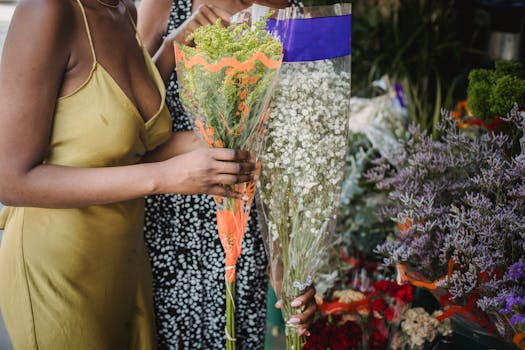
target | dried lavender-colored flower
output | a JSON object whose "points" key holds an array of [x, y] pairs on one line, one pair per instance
{"points": [[463, 197]]}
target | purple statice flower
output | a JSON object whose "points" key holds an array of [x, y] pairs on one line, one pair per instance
{"points": [[517, 271], [464, 196], [517, 319]]}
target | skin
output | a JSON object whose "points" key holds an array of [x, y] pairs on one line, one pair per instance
{"points": [[152, 23], [47, 55]]}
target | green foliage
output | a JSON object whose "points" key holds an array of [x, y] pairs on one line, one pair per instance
{"points": [[418, 43], [509, 68], [478, 92], [492, 93], [361, 227]]}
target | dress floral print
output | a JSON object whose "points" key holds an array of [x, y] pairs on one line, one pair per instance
{"points": [[188, 260]]}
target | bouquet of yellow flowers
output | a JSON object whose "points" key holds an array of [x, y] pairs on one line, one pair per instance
{"points": [[225, 84]]}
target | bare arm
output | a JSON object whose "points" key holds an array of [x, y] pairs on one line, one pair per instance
{"points": [[162, 50], [34, 60], [180, 142], [152, 22]]}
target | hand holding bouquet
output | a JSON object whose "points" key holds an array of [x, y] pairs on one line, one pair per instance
{"points": [[225, 82]]}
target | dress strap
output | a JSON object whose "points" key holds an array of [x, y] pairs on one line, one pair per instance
{"points": [[135, 27], [88, 31]]}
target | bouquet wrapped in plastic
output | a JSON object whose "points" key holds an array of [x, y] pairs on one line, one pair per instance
{"points": [[225, 83], [305, 145]]}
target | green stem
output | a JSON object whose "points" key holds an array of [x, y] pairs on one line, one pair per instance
{"points": [[294, 341], [230, 203], [230, 316]]}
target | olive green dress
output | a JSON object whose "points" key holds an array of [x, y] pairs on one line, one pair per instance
{"points": [[80, 279]]}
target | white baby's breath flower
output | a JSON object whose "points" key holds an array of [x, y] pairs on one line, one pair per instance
{"points": [[306, 146]]}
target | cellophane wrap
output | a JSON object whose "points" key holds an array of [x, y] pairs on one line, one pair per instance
{"points": [[225, 82], [303, 160]]}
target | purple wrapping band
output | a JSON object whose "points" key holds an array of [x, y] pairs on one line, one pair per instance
{"points": [[312, 39]]}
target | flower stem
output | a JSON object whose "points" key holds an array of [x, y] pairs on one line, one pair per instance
{"points": [[230, 316], [294, 341]]}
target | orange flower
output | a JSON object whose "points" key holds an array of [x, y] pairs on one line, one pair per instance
{"points": [[243, 94], [461, 111], [406, 226], [206, 132]]}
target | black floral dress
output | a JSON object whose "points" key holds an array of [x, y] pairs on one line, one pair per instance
{"points": [[188, 261]]}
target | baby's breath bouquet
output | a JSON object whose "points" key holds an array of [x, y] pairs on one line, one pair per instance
{"points": [[225, 83], [304, 157]]}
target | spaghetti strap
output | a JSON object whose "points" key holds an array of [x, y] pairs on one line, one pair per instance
{"points": [[135, 27], [88, 32]]}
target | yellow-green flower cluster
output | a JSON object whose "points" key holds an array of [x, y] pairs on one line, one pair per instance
{"points": [[237, 40], [228, 92]]}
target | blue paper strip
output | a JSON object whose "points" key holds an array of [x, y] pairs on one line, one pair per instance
{"points": [[312, 39]]}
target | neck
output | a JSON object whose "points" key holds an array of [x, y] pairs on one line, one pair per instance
{"points": [[107, 3], [102, 3]]}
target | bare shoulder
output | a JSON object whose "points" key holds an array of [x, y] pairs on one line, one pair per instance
{"points": [[52, 12], [39, 37], [49, 20]]}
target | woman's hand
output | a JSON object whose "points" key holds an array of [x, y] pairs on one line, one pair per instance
{"points": [[307, 307], [206, 171], [162, 50], [204, 15]]}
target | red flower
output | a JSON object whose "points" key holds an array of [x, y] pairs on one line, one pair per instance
{"points": [[332, 333], [384, 286], [379, 305], [378, 340], [389, 313], [315, 342], [340, 340], [405, 294]]}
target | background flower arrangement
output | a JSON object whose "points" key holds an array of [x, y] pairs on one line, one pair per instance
{"points": [[429, 48], [459, 202], [376, 127], [385, 319], [462, 193], [355, 288]]}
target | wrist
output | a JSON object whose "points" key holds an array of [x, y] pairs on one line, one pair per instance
{"points": [[164, 178], [156, 182]]}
